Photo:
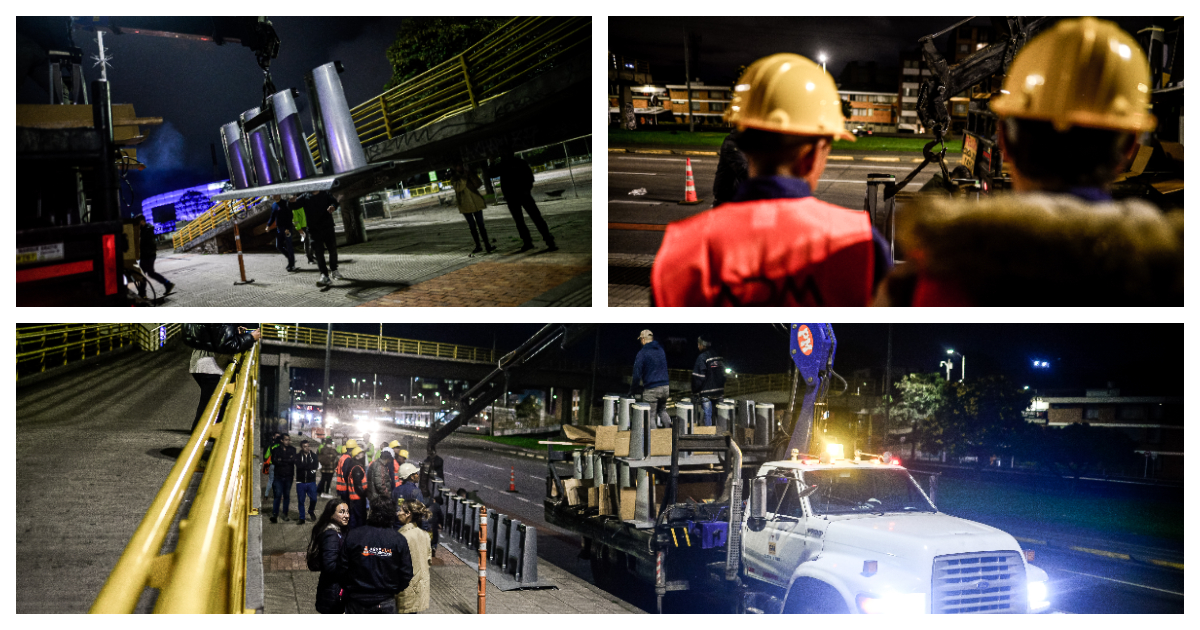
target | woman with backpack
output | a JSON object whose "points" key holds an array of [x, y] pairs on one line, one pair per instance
{"points": [[471, 204], [412, 515], [324, 547]]}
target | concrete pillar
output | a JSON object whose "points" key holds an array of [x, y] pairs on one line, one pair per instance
{"points": [[608, 410], [643, 507], [723, 416], [764, 423], [577, 459], [623, 475], [623, 413], [638, 419], [684, 414], [589, 472]]}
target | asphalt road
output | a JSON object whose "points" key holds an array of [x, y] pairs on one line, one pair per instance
{"points": [[1080, 583], [662, 176]]}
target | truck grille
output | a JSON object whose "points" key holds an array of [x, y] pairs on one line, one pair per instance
{"points": [[986, 582]]}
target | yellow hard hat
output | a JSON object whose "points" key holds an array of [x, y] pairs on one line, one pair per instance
{"points": [[355, 452], [1084, 72], [403, 453], [351, 444], [787, 93]]}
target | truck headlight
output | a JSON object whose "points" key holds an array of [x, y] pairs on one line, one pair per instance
{"points": [[1037, 596], [892, 604]]}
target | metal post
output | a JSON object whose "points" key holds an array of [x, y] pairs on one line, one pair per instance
{"points": [[570, 171], [237, 240], [482, 559]]}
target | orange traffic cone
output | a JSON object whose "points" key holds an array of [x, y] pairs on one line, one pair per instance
{"points": [[512, 479], [689, 193]]}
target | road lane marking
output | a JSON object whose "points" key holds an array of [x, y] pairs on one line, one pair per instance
{"points": [[642, 227], [840, 157], [880, 159], [1100, 577], [1101, 552], [621, 173], [637, 203], [489, 487], [713, 153], [1171, 565], [651, 151], [523, 499]]}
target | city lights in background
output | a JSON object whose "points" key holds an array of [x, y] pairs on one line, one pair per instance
{"points": [[1041, 365]]}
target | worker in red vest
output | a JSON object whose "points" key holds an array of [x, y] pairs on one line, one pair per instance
{"points": [[356, 483], [775, 244], [343, 489]]}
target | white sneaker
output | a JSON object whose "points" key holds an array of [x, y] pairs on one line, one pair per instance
{"points": [[337, 276], [324, 281]]}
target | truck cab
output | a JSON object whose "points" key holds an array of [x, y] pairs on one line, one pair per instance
{"points": [[861, 536]]}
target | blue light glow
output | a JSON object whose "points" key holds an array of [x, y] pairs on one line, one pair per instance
{"points": [[189, 203]]}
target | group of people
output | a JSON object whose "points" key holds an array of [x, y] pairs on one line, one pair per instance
{"points": [[308, 217], [1075, 101], [651, 377], [375, 537], [516, 180]]}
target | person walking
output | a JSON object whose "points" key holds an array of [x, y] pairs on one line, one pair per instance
{"points": [[650, 374], [318, 215], [340, 469], [708, 378], [437, 517], [774, 243], [284, 459], [471, 204], [381, 479], [325, 546], [415, 597], [281, 220], [732, 170], [147, 253], [306, 481], [207, 366], [327, 459], [1082, 84], [375, 563], [356, 487], [516, 180], [269, 466], [300, 220]]}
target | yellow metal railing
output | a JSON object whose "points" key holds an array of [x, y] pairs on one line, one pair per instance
{"points": [[216, 216], [735, 385], [44, 346], [206, 572], [359, 341]]}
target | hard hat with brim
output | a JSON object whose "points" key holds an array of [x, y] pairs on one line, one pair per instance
{"points": [[393, 443], [356, 452], [407, 470], [789, 94], [351, 444]]}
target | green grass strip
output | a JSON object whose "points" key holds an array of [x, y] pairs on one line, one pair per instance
{"points": [[621, 137]]}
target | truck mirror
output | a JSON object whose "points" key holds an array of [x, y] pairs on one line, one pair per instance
{"points": [[758, 504]]}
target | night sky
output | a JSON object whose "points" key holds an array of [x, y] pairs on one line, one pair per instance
{"points": [[198, 86], [727, 43], [1138, 358]]}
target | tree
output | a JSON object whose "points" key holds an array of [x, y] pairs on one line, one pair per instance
{"points": [[980, 418], [424, 42], [919, 397]]}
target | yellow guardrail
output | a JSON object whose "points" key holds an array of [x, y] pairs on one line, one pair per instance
{"points": [[206, 573], [736, 385], [216, 216], [360, 341], [40, 347]]}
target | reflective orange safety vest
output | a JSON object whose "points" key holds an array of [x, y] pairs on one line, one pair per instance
{"points": [[340, 479], [767, 252], [356, 492], [396, 473]]}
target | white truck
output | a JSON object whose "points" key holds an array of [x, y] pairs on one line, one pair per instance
{"points": [[821, 533]]}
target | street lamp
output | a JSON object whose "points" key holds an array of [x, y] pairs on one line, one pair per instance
{"points": [[949, 365], [964, 366], [822, 57]]}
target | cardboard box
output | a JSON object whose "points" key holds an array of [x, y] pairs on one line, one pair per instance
{"points": [[627, 503], [605, 497], [660, 442], [593, 497], [605, 437], [571, 487], [621, 444]]}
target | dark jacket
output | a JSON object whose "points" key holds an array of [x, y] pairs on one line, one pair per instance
{"points": [[306, 467], [650, 367], [408, 491], [226, 339], [381, 479], [316, 211], [284, 458], [327, 457], [374, 564], [329, 588], [732, 170], [708, 375], [515, 175], [281, 216], [355, 473], [149, 249]]}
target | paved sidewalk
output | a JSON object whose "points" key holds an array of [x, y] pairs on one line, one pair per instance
{"points": [[291, 588], [629, 279], [419, 257]]}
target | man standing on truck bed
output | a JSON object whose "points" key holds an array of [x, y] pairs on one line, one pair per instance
{"points": [[650, 374], [708, 378], [774, 243], [1074, 103]]}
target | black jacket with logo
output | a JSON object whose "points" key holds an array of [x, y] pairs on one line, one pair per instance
{"points": [[306, 467], [708, 375], [375, 564]]}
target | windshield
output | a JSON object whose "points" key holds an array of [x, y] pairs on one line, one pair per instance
{"points": [[857, 491]]}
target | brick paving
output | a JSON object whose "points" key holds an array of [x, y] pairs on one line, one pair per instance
{"points": [[629, 279], [403, 254]]}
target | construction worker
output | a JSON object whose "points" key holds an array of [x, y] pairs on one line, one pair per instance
{"points": [[1074, 102], [356, 487], [408, 490], [327, 457], [401, 456], [774, 244], [342, 487]]}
